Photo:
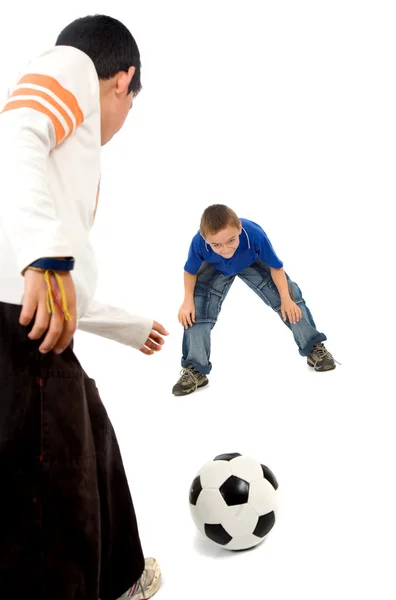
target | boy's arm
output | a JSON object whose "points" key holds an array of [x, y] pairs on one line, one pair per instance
{"points": [[26, 207], [121, 326], [289, 309], [186, 315], [189, 286], [46, 106], [279, 278], [192, 266]]}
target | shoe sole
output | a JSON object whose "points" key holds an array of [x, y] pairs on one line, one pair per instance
{"points": [[326, 368], [181, 393]]}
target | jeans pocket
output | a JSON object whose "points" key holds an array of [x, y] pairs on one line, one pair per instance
{"points": [[207, 304]]}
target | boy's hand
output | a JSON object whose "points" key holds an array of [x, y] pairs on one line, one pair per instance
{"points": [[154, 341], [186, 313], [290, 310], [59, 331]]}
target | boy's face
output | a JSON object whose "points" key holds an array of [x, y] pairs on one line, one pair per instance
{"points": [[226, 241]]}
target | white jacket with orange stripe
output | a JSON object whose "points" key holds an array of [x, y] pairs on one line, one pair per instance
{"points": [[50, 149]]}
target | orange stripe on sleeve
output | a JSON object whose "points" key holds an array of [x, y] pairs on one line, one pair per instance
{"points": [[55, 87], [59, 129], [32, 92]]}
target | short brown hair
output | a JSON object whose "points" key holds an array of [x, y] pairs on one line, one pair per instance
{"points": [[217, 217]]}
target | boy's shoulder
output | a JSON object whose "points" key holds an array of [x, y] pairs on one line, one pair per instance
{"points": [[197, 240], [252, 227], [61, 58], [66, 66], [61, 83]]}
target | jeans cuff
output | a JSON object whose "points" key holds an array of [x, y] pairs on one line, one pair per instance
{"points": [[204, 369], [309, 347]]}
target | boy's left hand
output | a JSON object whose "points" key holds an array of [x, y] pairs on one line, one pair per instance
{"points": [[154, 341], [291, 311]]}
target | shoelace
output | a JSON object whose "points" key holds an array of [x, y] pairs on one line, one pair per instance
{"points": [[187, 375], [135, 588], [322, 352]]}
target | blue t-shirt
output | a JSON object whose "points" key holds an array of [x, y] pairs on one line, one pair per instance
{"points": [[253, 244]]}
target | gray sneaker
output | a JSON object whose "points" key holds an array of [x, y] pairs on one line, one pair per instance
{"points": [[321, 359], [190, 380], [147, 585]]}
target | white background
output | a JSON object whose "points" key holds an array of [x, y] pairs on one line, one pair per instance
{"points": [[286, 112]]}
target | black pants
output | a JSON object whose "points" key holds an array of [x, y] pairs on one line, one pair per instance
{"points": [[68, 529]]}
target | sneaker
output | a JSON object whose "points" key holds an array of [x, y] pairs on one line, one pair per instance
{"points": [[321, 359], [147, 585], [190, 380]]}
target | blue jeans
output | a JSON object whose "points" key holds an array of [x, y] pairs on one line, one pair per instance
{"points": [[210, 291]]}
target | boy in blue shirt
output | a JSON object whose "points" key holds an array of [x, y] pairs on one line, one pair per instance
{"points": [[226, 247]]}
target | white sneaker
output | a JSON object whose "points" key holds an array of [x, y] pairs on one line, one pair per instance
{"points": [[148, 584]]}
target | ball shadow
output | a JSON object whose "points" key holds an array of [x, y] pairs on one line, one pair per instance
{"points": [[206, 548]]}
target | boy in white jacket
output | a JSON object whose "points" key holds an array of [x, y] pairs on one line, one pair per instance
{"points": [[67, 519]]}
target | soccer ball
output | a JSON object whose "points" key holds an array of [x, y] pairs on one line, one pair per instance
{"points": [[234, 500]]}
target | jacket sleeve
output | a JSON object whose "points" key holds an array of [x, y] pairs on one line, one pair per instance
{"points": [[45, 107], [116, 324]]}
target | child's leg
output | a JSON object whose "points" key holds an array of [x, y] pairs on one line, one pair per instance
{"points": [[210, 291], [258, 278], [122, 559], [196, 347], [67, 522]]}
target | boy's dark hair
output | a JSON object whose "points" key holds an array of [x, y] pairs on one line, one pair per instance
{"points": [[217, 217], [108, 43]]}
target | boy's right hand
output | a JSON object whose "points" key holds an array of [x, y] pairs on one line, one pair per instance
{"points": [[59, 331], [186, 314]]}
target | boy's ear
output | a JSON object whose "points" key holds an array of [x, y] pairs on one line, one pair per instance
{"points": [[240, 227], [124, 79]]}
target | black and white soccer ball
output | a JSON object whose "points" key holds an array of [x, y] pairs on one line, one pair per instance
{"points": [[234, 501]]}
